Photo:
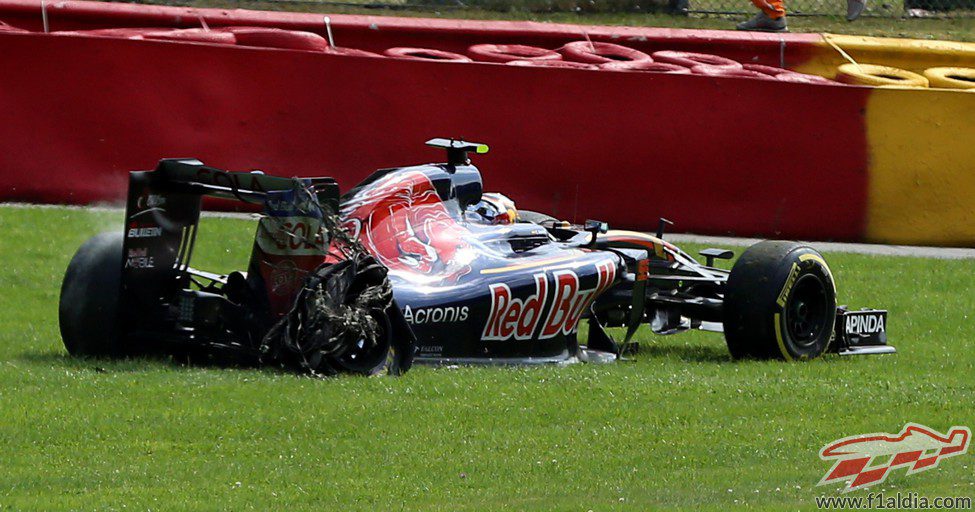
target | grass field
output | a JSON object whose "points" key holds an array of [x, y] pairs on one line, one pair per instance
{"points": [[682, 426]]}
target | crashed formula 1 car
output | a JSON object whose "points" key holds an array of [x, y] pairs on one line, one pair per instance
{"points": [[418, 263]]}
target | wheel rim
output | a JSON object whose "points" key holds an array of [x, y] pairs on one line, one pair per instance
{"points": [[806, 313], [364, 356]]}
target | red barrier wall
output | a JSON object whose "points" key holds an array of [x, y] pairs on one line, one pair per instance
{"points": [[622, 147]]}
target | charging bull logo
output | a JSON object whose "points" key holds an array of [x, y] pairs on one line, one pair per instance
{"points": [[521, 318], [402, 221], [866, 460]]}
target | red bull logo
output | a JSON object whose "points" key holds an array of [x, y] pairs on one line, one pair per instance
{"points": [[865, 460], [516, 318]]}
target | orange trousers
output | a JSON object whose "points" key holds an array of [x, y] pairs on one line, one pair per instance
{"points": [[775, 9]]}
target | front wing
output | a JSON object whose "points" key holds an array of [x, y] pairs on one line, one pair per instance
{"points": [[861, 332]]}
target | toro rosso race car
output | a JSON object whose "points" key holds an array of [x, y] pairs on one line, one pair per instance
{"points": [[418, 263]]}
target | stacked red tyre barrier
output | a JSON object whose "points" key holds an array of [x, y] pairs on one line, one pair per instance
{"points": [[260, 37], [592, 55], [610, 56]]}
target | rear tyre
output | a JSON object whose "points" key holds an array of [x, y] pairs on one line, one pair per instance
{"points": [[780, 303], [88, 309]]}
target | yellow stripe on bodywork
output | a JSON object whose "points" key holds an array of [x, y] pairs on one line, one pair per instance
{"points": [[778, 338], [656, 243], [922, 167]]}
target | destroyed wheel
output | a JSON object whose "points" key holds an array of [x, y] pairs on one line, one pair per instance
{"points": [[780, 303], [365, 356], [343, 321], [88, 309]]}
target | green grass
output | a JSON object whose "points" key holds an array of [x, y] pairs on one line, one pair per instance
{"points": [[955, 29], [682, 426]]}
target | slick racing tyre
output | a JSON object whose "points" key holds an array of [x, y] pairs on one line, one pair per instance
{"points": [[88, 309], [780, 303], [872, 74], [951, 78]]}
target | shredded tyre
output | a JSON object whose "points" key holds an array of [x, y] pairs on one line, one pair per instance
{"points": [[340, 323]]}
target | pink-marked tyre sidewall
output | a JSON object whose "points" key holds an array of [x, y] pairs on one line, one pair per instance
{"points": [[126, 33], [720, 71], [565, 64], [801, 78], [690, 59], [425, 54], [601, 53], [651, 66], [264, 37], [510, 52], [768, 70], [10, 28], [194, 35], [353, 52]]}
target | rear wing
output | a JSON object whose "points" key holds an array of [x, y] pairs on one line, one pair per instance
{"points": [[162, 216], [195, 177]]}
